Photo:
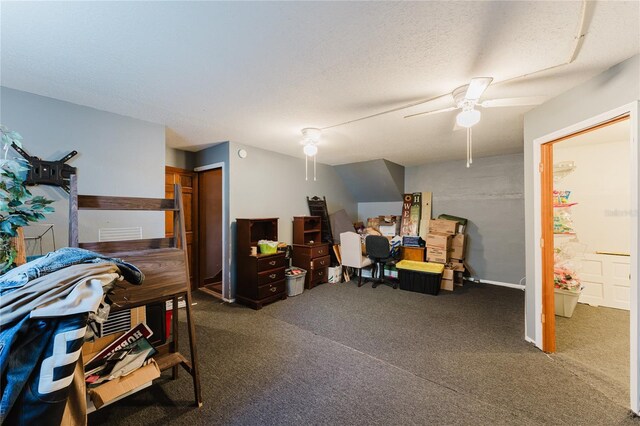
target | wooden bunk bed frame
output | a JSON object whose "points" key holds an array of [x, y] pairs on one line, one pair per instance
{"points": [[162, 260]]}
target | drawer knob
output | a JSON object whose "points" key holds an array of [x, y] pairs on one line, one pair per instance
{"points": [[320, 273], [320, 251], [273, 289], [272, 276], [272, 263]]}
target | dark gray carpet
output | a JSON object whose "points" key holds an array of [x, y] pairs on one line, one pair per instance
{"points": [[340, 354], [595, 342]]}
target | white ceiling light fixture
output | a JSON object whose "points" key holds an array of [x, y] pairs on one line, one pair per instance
{"points": [[310, 140], [310, 150], [468, 117]]}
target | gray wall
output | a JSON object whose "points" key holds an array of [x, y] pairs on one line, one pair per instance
{"points": [[179, 158], [268, 184], [373, 181], [490, 195], [614, 88], [117, 155], [367, 210]]}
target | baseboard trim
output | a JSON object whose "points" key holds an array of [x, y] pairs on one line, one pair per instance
{"points": [[498, 283]]}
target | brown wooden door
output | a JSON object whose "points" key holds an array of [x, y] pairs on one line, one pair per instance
{"points": [[210, 230], [189, 182]]}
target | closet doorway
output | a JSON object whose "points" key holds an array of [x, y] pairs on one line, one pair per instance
{"points": [[588, 235], [210, 235]]}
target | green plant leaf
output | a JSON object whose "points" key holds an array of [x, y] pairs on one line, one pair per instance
{"points": [[7, 228]]}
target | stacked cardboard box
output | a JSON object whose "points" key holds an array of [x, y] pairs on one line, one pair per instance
{"points": [[446, 243], [438, 246], [439, 239]]}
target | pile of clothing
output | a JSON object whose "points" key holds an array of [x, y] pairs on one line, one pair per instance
{"points": [[45, 306]]}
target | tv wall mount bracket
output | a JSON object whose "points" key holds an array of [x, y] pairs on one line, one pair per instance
{"points": [[53, 173]]}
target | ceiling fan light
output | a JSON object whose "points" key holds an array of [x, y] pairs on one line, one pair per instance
{"points": [[310, 150], [311, 134], [468, 118]]}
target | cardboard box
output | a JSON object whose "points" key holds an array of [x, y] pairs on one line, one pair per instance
{"points": [[437, 240], [115, 388], [373, 222], [389, 229], [456, 265], [437, 255], [458, 243], [443, 226], [447, 279], [458, 278], [446, 285], [391, 225], [447, 274]]}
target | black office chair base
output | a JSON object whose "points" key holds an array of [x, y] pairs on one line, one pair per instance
{"points": [[379, 269], [389, 283]]}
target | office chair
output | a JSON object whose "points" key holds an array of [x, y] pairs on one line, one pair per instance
{"points": [[377, 248]]}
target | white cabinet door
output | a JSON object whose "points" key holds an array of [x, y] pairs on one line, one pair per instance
{"points": [[606, 280]]}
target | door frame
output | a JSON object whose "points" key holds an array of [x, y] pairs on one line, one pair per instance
{"points": [[195, 220], [545, 327], [226, 290]]}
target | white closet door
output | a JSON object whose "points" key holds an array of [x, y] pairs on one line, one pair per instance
{"points": [[606, 280]]}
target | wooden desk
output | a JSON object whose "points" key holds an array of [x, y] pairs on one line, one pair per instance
{"points": [[413, 253]]}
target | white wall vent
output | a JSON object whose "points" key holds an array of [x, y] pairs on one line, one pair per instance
{"points": [[120, 234], [115, 323]]}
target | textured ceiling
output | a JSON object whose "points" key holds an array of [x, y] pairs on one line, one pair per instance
{"points": [[256, 73]]}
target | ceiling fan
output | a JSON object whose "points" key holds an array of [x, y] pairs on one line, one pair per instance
{"points": [[466, 98]]}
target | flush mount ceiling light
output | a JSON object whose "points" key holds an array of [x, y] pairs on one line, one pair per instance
{"points": [[310, 140]]}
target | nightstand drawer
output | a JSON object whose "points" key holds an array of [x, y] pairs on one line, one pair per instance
{"points": [[319, 251], [270, 289], [319, 275], [322, 262], [270, 276], [271, 262]]}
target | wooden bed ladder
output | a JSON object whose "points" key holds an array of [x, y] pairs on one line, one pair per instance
{"points": [[162, 260]]}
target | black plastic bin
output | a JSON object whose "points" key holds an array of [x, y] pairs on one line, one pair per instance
{"points": [[420, 282]]}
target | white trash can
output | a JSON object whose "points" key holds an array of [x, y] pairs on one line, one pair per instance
{"points": [[295, 281]]}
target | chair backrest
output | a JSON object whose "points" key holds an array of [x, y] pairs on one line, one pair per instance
{"points": [[377, 246], [351, 249]]}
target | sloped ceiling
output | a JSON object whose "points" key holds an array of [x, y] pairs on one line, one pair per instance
{"points": [[258, 72], [375, 180]]}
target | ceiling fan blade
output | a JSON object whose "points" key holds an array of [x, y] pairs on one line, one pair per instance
{"points": [[437, 111], [476, 88], [510, 102]]}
